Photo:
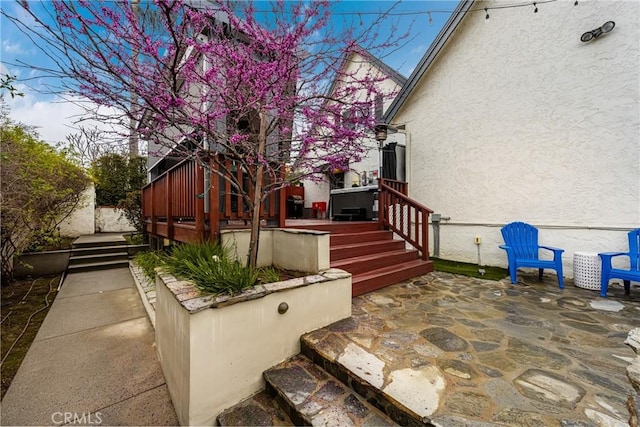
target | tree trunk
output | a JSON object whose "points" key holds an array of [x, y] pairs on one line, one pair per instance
{"points": [[257, 195]]}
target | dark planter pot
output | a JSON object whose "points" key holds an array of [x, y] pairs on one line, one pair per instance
{"points": [[41, 263]]}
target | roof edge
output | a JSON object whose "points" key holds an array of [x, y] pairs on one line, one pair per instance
{"points": [[443, 36], [391, 73]]}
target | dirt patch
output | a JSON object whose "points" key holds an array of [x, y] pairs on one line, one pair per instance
{"points": [[25, 304]]}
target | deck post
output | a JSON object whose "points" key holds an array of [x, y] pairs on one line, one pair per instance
{"points": [[214, 201], [169, 205], [199, 203], [380, 204], [425, 235], [154, 221]]}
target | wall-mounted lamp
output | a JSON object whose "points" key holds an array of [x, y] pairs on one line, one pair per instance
{"points": [[381, 132], [594, 34]]}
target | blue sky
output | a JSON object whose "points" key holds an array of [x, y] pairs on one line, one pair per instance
{"points": [[55, 117]]}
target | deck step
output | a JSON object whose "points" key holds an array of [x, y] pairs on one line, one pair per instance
{"points": [[75, 260], [101, 250], [100, 265], [98, 244], [364, 236], [341, 227], [311, 396], [365, 263], [364, 248], [258, 410], [379, 278]]}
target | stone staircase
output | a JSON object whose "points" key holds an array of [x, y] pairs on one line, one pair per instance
{"points": [[299, 392], [99, 252], [371, 255], [314, 388]]}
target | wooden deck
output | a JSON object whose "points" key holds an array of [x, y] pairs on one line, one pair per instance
{"points": [[177, 206]]}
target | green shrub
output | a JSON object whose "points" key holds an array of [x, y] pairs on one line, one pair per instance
{"points": [[268, 275], [137, 239], [210, 267], [148, 261]]}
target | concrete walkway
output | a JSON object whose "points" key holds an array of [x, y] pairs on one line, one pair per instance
{"points": [[93, 360]]}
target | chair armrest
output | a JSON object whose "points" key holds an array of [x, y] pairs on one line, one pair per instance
{"points": [[551, 248], [612, 254], [607, 256]]}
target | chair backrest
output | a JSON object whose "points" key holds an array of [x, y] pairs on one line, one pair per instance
{"points": [[634, 249], [523, 238]]}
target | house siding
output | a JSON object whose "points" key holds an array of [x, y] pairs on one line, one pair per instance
{"points": [[517, 119], [318, 191]]}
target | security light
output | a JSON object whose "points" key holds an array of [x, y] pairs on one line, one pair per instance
{"points": [[594, 34]]}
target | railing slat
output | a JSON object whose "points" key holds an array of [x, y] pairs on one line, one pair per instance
{"points": [[172, 199], [396, 209]]}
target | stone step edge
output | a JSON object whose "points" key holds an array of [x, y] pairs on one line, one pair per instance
{"points": [[299, 418], [253, 410], [373, 395]]}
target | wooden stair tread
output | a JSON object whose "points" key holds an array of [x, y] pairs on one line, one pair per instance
{"points": [[371, 257], [390, 269]]}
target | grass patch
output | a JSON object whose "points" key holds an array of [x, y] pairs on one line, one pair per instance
{"points": [[25, 304], [467, 269]]}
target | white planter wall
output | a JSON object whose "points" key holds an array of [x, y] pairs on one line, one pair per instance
{"points": [[213, 350]]}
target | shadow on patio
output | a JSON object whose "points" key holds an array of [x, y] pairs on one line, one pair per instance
{"points": [[459, 351]]}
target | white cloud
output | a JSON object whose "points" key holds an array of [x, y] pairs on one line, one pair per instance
{"points": [[15, 48], [55, 118]]}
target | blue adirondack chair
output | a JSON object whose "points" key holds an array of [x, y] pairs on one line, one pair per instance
{"points": [[521, 244], [633, 273]]}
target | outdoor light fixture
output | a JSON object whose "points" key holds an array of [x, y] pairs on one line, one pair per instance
{"points": [[594, 34], [381, 132]]}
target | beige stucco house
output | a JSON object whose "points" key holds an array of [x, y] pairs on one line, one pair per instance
{"points": [[509, 116], [363, 173]]}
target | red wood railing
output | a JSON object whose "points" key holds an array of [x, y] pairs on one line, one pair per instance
{"points": [[399, 186], [406, 217], [173, 205]]}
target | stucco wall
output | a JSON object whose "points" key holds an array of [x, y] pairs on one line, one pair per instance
{"points": [[214, 357], [110, 220], [81, 221], [299, 250], [173, 345], [517, 119]]}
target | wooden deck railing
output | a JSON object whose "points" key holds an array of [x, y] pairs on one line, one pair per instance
{"points": [[404, 216], [399, 186], [173, 205]]}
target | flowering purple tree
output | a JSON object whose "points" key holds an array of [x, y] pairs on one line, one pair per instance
{"points": [[234, 81]]}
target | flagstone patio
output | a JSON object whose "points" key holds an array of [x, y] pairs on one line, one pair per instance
{"points": [[458, 351]]}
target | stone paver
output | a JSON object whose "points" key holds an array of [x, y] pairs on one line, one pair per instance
{"points": [[460, 351], [311, 396]]}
